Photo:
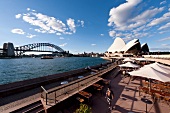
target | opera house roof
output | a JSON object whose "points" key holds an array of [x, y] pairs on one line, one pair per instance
{"points": [[132, 46], [117, 45]]}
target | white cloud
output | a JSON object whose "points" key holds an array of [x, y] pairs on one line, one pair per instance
{"points": [[48, 24], [61, 38], [120, 14], [161, 32], [82, 23], [127, 39], [93, 44], [160, 20], [165, 26], [40, 30], [144, 17], [68, 33], [139, 29], [128, 22], [125, 17], [148, 14], [112, 33], [18, 31], [166, 45], [28, 9], [51, 31], [18, 16], [101, 34], [30, 35], [62, 45], [163, 2], [45, 23], [164, 39], [58, 34], [71, 24], [119, 34]]}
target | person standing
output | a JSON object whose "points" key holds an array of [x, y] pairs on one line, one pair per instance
{"points": [[109, 97]]}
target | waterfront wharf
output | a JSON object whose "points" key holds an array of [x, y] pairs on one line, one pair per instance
{"points": [[127, 98], [16, 96]]}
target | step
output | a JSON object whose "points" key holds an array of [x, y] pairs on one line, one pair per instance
{"points": [[35, 109], [30, 107]]}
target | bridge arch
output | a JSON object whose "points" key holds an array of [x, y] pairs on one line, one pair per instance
{"points": [[29, 47]]}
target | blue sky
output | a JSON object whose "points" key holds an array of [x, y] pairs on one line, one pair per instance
{"points": [[85, 25]]}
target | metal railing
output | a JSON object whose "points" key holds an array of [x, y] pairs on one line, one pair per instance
{"points": [[74, 86]]}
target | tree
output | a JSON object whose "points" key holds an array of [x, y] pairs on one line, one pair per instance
{"points": [[83, 109]]}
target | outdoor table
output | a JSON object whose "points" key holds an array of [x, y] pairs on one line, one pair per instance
{"points": [[85, 94], [106, 81], [96, 85], [147, 101]]}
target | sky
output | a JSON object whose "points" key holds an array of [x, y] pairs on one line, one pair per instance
{"points": [[81, 26]]}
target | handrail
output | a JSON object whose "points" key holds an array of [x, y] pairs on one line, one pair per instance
{"points": [[44, 89], [45, 94], [69, 90], [93, 76], [77, 81]]}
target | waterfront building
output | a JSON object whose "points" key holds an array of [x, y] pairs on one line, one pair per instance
{"points": [[144, 48], [119, 48]]}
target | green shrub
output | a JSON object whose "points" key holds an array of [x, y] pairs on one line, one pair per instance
{"points": [[83, 109]]}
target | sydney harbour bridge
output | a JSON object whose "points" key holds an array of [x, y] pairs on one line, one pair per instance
{"points": [[9, 50]]}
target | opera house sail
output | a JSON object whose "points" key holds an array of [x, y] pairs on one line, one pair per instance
{"points": [[119, 48]]}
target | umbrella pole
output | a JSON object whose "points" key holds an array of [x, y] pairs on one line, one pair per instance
{"points": [[149, 85]]}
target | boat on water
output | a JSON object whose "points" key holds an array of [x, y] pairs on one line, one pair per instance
{"points": [[47, 57]]}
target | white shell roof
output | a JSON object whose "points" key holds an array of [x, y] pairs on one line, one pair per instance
{"points": [[130, 44], [143, 44], [117, 45]]}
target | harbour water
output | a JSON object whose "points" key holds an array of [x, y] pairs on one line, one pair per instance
{"points": [[12, 70]]}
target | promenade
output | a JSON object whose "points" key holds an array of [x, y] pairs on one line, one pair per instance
{"points": [[164, 61], [19, 100], [127, 99]]}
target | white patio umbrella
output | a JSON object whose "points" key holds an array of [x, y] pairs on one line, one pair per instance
{"points": [[128, 60], [141, 59], [161, 65], [129, 64], [151, 73], [159, 68]]}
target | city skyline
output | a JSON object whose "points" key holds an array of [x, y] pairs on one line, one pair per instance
{"points": [[85, 26]]}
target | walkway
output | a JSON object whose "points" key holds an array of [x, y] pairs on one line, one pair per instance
{"points": [[15, 101], [126, 99], [164, 61]]}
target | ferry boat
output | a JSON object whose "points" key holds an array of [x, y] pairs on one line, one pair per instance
{"points": [[47, 57]]}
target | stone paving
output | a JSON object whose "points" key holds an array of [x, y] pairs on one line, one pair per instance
{"points": [[127, 99]]}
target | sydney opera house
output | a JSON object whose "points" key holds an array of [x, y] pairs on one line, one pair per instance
{"points": [[119, 48]]}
